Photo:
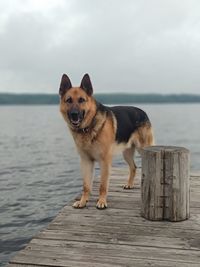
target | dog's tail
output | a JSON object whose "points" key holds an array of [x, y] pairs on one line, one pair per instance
{"points": [[143, 137]]}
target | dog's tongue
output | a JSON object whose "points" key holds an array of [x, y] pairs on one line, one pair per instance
{"points": [[76, 123]]}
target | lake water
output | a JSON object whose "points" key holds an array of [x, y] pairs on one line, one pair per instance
{"points": [[39, 166]]}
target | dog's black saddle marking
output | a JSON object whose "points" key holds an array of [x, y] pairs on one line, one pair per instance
{"points": [[128, 119]]}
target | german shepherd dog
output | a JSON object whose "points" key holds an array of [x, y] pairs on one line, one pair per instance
{"points": [[98, 130]]}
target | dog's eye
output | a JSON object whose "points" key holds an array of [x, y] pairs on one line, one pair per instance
{"points": [[81, 100], [69, 100]]}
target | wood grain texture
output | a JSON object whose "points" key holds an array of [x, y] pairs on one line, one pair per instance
{"points": [[165, 183], [117, 236]]}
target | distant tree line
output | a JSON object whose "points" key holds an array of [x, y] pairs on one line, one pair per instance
{"points": [[147, 98], [28, 99], [112, 98]]}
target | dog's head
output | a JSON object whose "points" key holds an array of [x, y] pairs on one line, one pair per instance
{"points": [[76, 102]]}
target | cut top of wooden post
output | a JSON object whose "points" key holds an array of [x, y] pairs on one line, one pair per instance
{"points": [[165, 183], [174, 149]]}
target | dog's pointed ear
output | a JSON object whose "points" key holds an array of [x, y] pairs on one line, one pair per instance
{"points": [[65, 85], [86, 85]]}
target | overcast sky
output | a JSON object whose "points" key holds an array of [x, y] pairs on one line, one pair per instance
{"points": [[138, 46]]}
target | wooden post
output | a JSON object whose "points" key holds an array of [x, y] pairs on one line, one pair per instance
{"points": [[165, 183]]}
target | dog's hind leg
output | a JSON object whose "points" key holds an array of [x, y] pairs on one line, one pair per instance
{"points": [[128, 156], [87, 167]]}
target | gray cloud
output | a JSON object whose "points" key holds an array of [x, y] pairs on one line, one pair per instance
{"points": [[132, 46]]}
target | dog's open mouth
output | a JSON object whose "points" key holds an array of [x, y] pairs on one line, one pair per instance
{"points": [[76, 117], [75, 123]]}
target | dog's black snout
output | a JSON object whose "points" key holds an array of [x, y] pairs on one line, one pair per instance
{"points": [[74, 114]]}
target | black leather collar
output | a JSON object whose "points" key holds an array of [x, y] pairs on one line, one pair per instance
{"points": [[82, 130]]}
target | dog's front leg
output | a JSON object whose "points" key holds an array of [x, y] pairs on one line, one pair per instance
{"points": [[105, 165], [87, 167]]}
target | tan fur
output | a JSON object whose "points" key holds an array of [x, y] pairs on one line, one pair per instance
{"points": [[94, 146], [141, 138], [99, 145]]}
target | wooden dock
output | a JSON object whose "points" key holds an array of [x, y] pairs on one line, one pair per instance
{"points": [[117, 236]]}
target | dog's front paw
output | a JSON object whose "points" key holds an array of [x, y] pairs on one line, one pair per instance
{"points": [[79, 204], [101, 204]]}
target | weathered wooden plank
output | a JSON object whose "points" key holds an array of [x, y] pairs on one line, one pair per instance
{"points": [[125, 263], [58, 261], [87, 251], [195, 174], [121, 202], [98, 261], [120, 220], [109, 221], [140, 237]]}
